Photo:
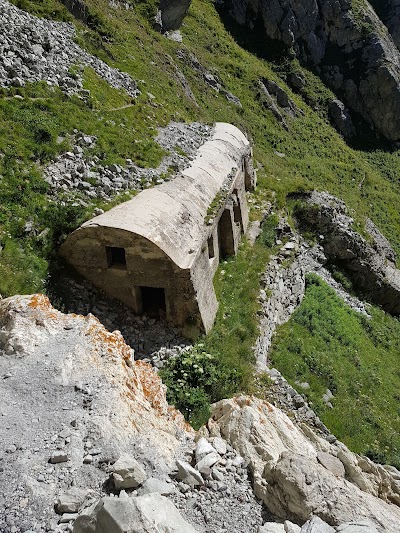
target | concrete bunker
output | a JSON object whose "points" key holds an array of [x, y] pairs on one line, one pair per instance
{"points": [[158, 252]]}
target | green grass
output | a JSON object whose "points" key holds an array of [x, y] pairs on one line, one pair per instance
{"points": [[225, 354], [328, 345]]}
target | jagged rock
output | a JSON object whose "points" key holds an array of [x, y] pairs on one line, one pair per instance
{"points": [[316, 525], [188, 474], [156, 485], [369, 266], [268, 102], [207, 462], [290, 480], [203, 448], [171, 13], [291, 528], [70, 501], [58, 457], [78, 8], [296, 80], [341, 119], [331, 463], [350, 48], [271, 527], [143, 514], [128, 473], [219, 445]]}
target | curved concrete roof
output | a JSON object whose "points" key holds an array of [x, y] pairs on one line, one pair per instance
{"points": [[171, 215]]}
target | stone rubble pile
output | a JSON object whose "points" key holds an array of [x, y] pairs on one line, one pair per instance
{"points": [[33, 49], [79, 175]]}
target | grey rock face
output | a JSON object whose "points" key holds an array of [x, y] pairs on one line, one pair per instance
{"points": [[283, 287], [188, 474], [128, 473], [151, 512], [157, 485], [352, 50], [389, 12], [370, 266], [316, 525], [341, 118], [171, 13], [356, 527]]}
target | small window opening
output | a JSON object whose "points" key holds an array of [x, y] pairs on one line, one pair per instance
{"points": [[211, 251], [153, 301], [116, 257], [237, 211]]}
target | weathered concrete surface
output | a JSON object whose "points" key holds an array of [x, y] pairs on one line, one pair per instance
{"points": [[174, 234]]}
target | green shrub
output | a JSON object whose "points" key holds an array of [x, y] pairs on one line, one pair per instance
{"points": [[194, 379], [268, 230]]}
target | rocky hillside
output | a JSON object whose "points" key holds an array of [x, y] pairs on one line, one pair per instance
{"points": [[100, 100], [90, 444]]}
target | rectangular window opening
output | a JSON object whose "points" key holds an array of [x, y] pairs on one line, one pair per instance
{"points": [[116, 257]]}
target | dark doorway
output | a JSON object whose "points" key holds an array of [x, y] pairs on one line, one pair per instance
{"points": [[116, 257], [225, 234], [153, 301]]}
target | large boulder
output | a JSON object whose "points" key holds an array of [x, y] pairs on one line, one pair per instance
{"points": [[151, 512], [350, 48], [294, 480], [171, 14]]}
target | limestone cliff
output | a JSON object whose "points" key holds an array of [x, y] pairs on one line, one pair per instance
{"points": [[89, 444], [347, 44]]}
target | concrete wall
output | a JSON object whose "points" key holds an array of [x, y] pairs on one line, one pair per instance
{"points": [[164, 239]]}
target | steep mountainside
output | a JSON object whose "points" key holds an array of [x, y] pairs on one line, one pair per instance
{"points": [[345, 42], [101, 99]]}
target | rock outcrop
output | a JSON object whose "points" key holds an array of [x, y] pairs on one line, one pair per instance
{"points": [[389, 12], [351, 48], [171, 14], [73, 396], [90, 445], [298, 474], [371, 265]]}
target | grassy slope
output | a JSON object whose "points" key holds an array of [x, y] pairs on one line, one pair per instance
{"points": [[316, 156], [330, 346]]}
